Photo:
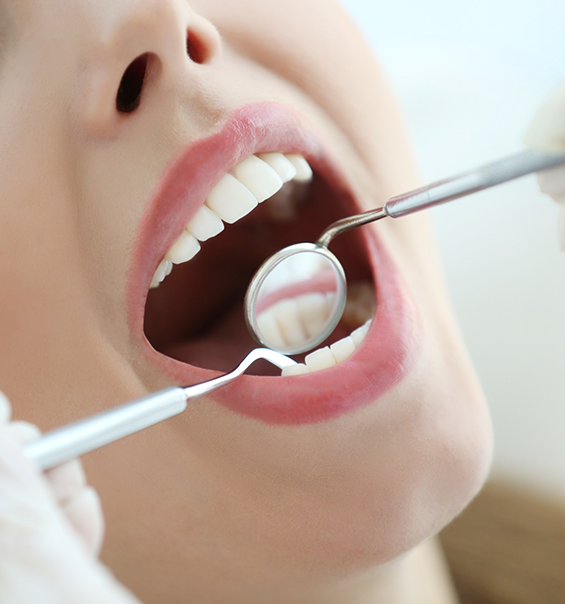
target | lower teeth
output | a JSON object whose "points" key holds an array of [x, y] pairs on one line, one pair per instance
{"points": [[326, 357]]}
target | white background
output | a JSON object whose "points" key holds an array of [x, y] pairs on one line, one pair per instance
{"points": [[470, 76]]}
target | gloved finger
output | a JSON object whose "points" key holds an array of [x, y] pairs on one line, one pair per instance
{"points": [[79, 503], [547, 130], [66, 480], [5, 409], [67, 484], [552, 182], [22, 432], [84, 512]]}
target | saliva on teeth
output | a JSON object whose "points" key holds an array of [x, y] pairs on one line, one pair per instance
{"points": [[252, 181]]}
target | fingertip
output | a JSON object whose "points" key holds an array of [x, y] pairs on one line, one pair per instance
{"points": [[67, 479], [22, 432], [84, 512]]}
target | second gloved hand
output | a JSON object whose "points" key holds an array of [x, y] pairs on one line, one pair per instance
{"points": [[547, 133]]}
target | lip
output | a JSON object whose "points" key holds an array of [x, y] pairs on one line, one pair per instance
{"points": [[389, 350]]}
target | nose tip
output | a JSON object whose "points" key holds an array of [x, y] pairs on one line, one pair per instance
{"points": [[140, 47]]}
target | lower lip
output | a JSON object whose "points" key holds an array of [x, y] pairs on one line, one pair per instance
{"points": [[386, 356]]}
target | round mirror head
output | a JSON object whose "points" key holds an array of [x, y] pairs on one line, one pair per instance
{"points": [[296, 299]]}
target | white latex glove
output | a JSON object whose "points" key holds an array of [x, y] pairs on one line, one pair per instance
{"points": [[547, 133], [51, 529]]}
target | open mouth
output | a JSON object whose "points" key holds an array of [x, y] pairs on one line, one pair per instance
{"points": [[194, 313], [227, 204]]}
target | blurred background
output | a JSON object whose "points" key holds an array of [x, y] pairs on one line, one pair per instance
{"points": [[470, 77]]}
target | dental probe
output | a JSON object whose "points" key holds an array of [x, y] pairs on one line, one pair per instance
{"points": [[85, 435], [441, 191]]}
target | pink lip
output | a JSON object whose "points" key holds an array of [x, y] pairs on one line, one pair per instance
{"points": [[394, 340]]}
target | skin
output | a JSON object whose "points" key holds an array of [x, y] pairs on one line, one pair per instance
{"points": [[213, 506]]}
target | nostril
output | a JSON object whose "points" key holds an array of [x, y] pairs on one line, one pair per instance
{"points": [[196, 49], [131, 85]]}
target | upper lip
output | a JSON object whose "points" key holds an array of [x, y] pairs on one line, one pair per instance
{"points": [[389, 349]]}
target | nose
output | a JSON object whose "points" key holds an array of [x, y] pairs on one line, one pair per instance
{"points": [[136, 49]]}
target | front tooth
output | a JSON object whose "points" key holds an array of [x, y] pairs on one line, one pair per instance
{"points": [[281, 165], [298, 369], [303, 169], [205, 224], [258, 177], [320, 359], [184, 248], [231, 199], [343, 349], [359, 334]]}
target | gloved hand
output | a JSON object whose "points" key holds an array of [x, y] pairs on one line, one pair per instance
{"points": [[547, 133], [51, 529]]}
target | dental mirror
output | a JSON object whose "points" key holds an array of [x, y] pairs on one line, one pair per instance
{"points": [[298, 295], [296, 298]]}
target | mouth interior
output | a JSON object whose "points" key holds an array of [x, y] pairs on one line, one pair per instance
{"points": [[196, 315]]}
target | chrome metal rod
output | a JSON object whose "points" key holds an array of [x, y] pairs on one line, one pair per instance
{"points": [[346, 224], [85, 435], [441, 191], [90, 433], [479, 179]]}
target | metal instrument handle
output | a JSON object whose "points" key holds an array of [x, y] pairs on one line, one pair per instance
{"points": [[483, 177], [85, 435]]}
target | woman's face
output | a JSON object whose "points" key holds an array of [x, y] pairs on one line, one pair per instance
{"points": [[314, 476]]}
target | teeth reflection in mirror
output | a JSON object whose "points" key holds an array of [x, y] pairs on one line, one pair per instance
{"points": [[205, 224], [314, 312], [303, 169], [184, 249], [270, 330], [258, 177], [231, 199], [280, 164], [288, 317]]}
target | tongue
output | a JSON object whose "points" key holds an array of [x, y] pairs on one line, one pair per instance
{"points": [[223, 347]]}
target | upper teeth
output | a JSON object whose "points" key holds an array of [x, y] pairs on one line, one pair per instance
{"points": [[252, 181]]}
